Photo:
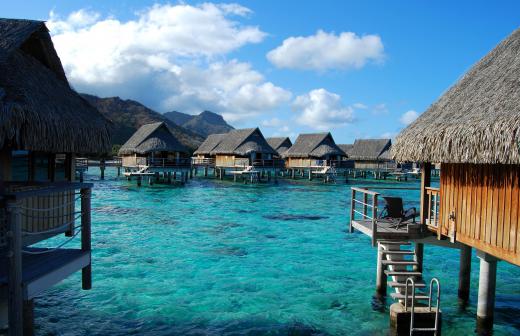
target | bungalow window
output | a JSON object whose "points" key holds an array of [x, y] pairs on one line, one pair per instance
{"points": [[41, 167], [20, 166]]}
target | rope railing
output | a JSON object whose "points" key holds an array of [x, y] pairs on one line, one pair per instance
{"points": [[54, 249], [59, 229]]}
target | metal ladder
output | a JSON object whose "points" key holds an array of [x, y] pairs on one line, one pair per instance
{"points": [[435, 328]]}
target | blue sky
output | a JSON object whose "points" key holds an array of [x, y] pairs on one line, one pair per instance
{"points": [[357, 68]]}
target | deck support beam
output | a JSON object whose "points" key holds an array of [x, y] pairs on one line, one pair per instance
{"points": [[464, 273], [419, 256], [381, 276], [15, 305], [486, 292], [28, 318], [86, 272]]}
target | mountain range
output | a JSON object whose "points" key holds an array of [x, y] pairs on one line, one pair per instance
{"points": [[205, 123], [128, 115]]}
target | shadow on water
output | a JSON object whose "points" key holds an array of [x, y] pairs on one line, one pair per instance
{"points": [[286, 217]]}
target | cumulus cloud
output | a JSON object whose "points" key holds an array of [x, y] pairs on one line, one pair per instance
{"points": [[408, 117], [324, 51], [168, 56], [322, 110], [273, 122]]}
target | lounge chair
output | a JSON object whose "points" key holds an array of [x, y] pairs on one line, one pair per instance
{"points": [[394, 212]]}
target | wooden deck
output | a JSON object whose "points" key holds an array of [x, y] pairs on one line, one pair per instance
{"points": [[42, 271], [386, 231]]}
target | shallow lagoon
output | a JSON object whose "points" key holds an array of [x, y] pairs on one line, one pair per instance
{"points": [[223, 258]]}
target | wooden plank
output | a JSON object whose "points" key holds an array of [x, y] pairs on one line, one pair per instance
{"points": [[507, 209], [478, 204], [489, 207], [500, 206], [513, 230], [464, 200], [484, 203], [474, 179], [494, 217]]}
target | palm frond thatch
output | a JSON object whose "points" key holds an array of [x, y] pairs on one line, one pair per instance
{"points": [[477, 120], [209, 144], [38, 109], [280, 144], [313, 145], [243, 142], [370, 150], [155, 137]]}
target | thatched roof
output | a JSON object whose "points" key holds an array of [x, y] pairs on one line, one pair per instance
{"points": [[39, 110], [347, 148], [243, 142], [280, 144], [477, 120], [209, 144], [316, 145], [370, 150], [156, 137]]}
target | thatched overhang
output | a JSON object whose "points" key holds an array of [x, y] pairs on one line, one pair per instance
{"points": [[371, 150], [155, 137], [280, 144], [313, 145], [38, 109], [211, 142], [242, 142], [347, 148], [477, 120]]}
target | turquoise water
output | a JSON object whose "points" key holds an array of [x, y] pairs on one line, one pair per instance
{"points": [[223, 258]]}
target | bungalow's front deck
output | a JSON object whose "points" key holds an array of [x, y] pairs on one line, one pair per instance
{"points": [[365, 217]]}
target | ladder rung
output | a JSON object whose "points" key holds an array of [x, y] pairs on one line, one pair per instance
{"points": [[396, 284], [403, 273], [424, 329], [399, 296], [394, 242], [399, 262], [401, 252]]}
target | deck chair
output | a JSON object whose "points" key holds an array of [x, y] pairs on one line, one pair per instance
{"points": [[394, 212]]}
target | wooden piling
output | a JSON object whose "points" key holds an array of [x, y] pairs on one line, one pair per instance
{"points": [[15, 309], [464, 273], [86, 272]]}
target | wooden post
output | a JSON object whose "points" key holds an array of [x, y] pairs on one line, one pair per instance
{"points": [[139, 180], [310, 174], [352, 205], [425, 183], [86, 272], [365, 206], [15, 309], [28, 318], [419, 255], [102, 168], [374, 217], [205, 171], [381, 276], [464, 273], [118, 171], [235, 177]]}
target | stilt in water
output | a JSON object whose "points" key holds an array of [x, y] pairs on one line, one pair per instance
{"points": [[486, 293], [464, 274], [139, 178]]}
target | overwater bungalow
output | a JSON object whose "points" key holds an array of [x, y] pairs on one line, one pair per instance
{"points": [[372, 154], [279, 144], [245, 152], [202, 157], [472, 130], [43, 124], [152, 151], [314, 154]]}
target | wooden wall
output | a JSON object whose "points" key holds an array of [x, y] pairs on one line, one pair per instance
{"points": [[299, 162], [225, 160], [485, 203]]}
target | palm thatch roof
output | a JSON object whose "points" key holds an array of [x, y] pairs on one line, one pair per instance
{"points": [[316, 145], [477, 120], [155, 137], [347, 148], [243, 142], [209, 144], [280, 144], [39, 110], [371, 150]]}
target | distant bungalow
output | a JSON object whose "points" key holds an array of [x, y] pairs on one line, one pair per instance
{"points": [[154, 149], [280, 144], [203, 153], [244, 149], [312, 150], [43, 124], [371, 154]]}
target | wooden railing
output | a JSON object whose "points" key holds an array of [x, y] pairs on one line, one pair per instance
{"points": [[19, 211], [86, 162], [272, 163], [432, 213], [203, 161], [364, 209], [168, 163]]}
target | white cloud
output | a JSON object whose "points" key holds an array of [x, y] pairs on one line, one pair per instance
{"points": [[168, 57], [322, 110], [389, 135], [324, 51], [273, 122], [380, 109], [359, 106], [408, 117]]}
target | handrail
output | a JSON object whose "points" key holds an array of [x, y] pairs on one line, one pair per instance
{"points": [[366, 191], [46, 188]]}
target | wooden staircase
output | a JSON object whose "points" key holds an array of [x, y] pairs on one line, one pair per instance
{"points": [[398, 259]]}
